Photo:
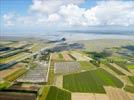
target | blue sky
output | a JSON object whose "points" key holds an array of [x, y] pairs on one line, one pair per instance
{"points": [[27, 16]]}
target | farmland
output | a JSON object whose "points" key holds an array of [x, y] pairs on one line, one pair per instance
{"points": [[36, 75], [65, 74], [17, 96], [66, 56], [85, 65], [66, 67], [80, 57], [11, 70], [93, 81], [58, 94]]}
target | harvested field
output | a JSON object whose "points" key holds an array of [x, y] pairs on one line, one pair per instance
{"points": [[54, 56], [121, 69], [116, 94], [101, 97], [11, 70], [89, 96], [90, 81], [80, 57], [83, 96], [131, 95], [66, 56], [17, 96], [37, 75], [24, 87], [66, 67], [58, 81], [126, 80]]}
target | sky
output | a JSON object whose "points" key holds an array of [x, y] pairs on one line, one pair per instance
{"points": [[38, 16]]}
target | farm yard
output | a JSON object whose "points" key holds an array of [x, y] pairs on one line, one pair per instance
{"points": [[66, 67]]}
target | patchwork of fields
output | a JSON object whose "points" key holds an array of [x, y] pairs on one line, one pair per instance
{"points": [[65, 75], [90, 81]]}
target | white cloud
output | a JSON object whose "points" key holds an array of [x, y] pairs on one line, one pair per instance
{"points": [[72, 14], [104, 13], [68, 12], [111, 13], [51, 6], [53, 18], [8, 19]]}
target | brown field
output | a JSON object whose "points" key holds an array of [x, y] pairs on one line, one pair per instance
{"points": [[80, 57], [89, 96], [66, 56], [11, 70], [24, 86], [131, 96], [17, 96], [126, 80], [116, 94], [58, 81], [54, 56]]}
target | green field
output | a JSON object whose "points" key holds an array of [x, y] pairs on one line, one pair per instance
{"points": [[4, 85], [90, 81], [122, 65], [15, 75], [61, 56], [54, 93], [131, 79], [129, 88], [131, 66], [13, 58], [115, 69], [85, 65]]}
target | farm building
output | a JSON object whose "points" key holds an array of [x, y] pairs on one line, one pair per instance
{"points": [[66, 67]]}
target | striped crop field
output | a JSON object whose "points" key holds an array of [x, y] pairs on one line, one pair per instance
{"points": [[55, 93], [131, 79], [90, 81], [86, 65]]}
